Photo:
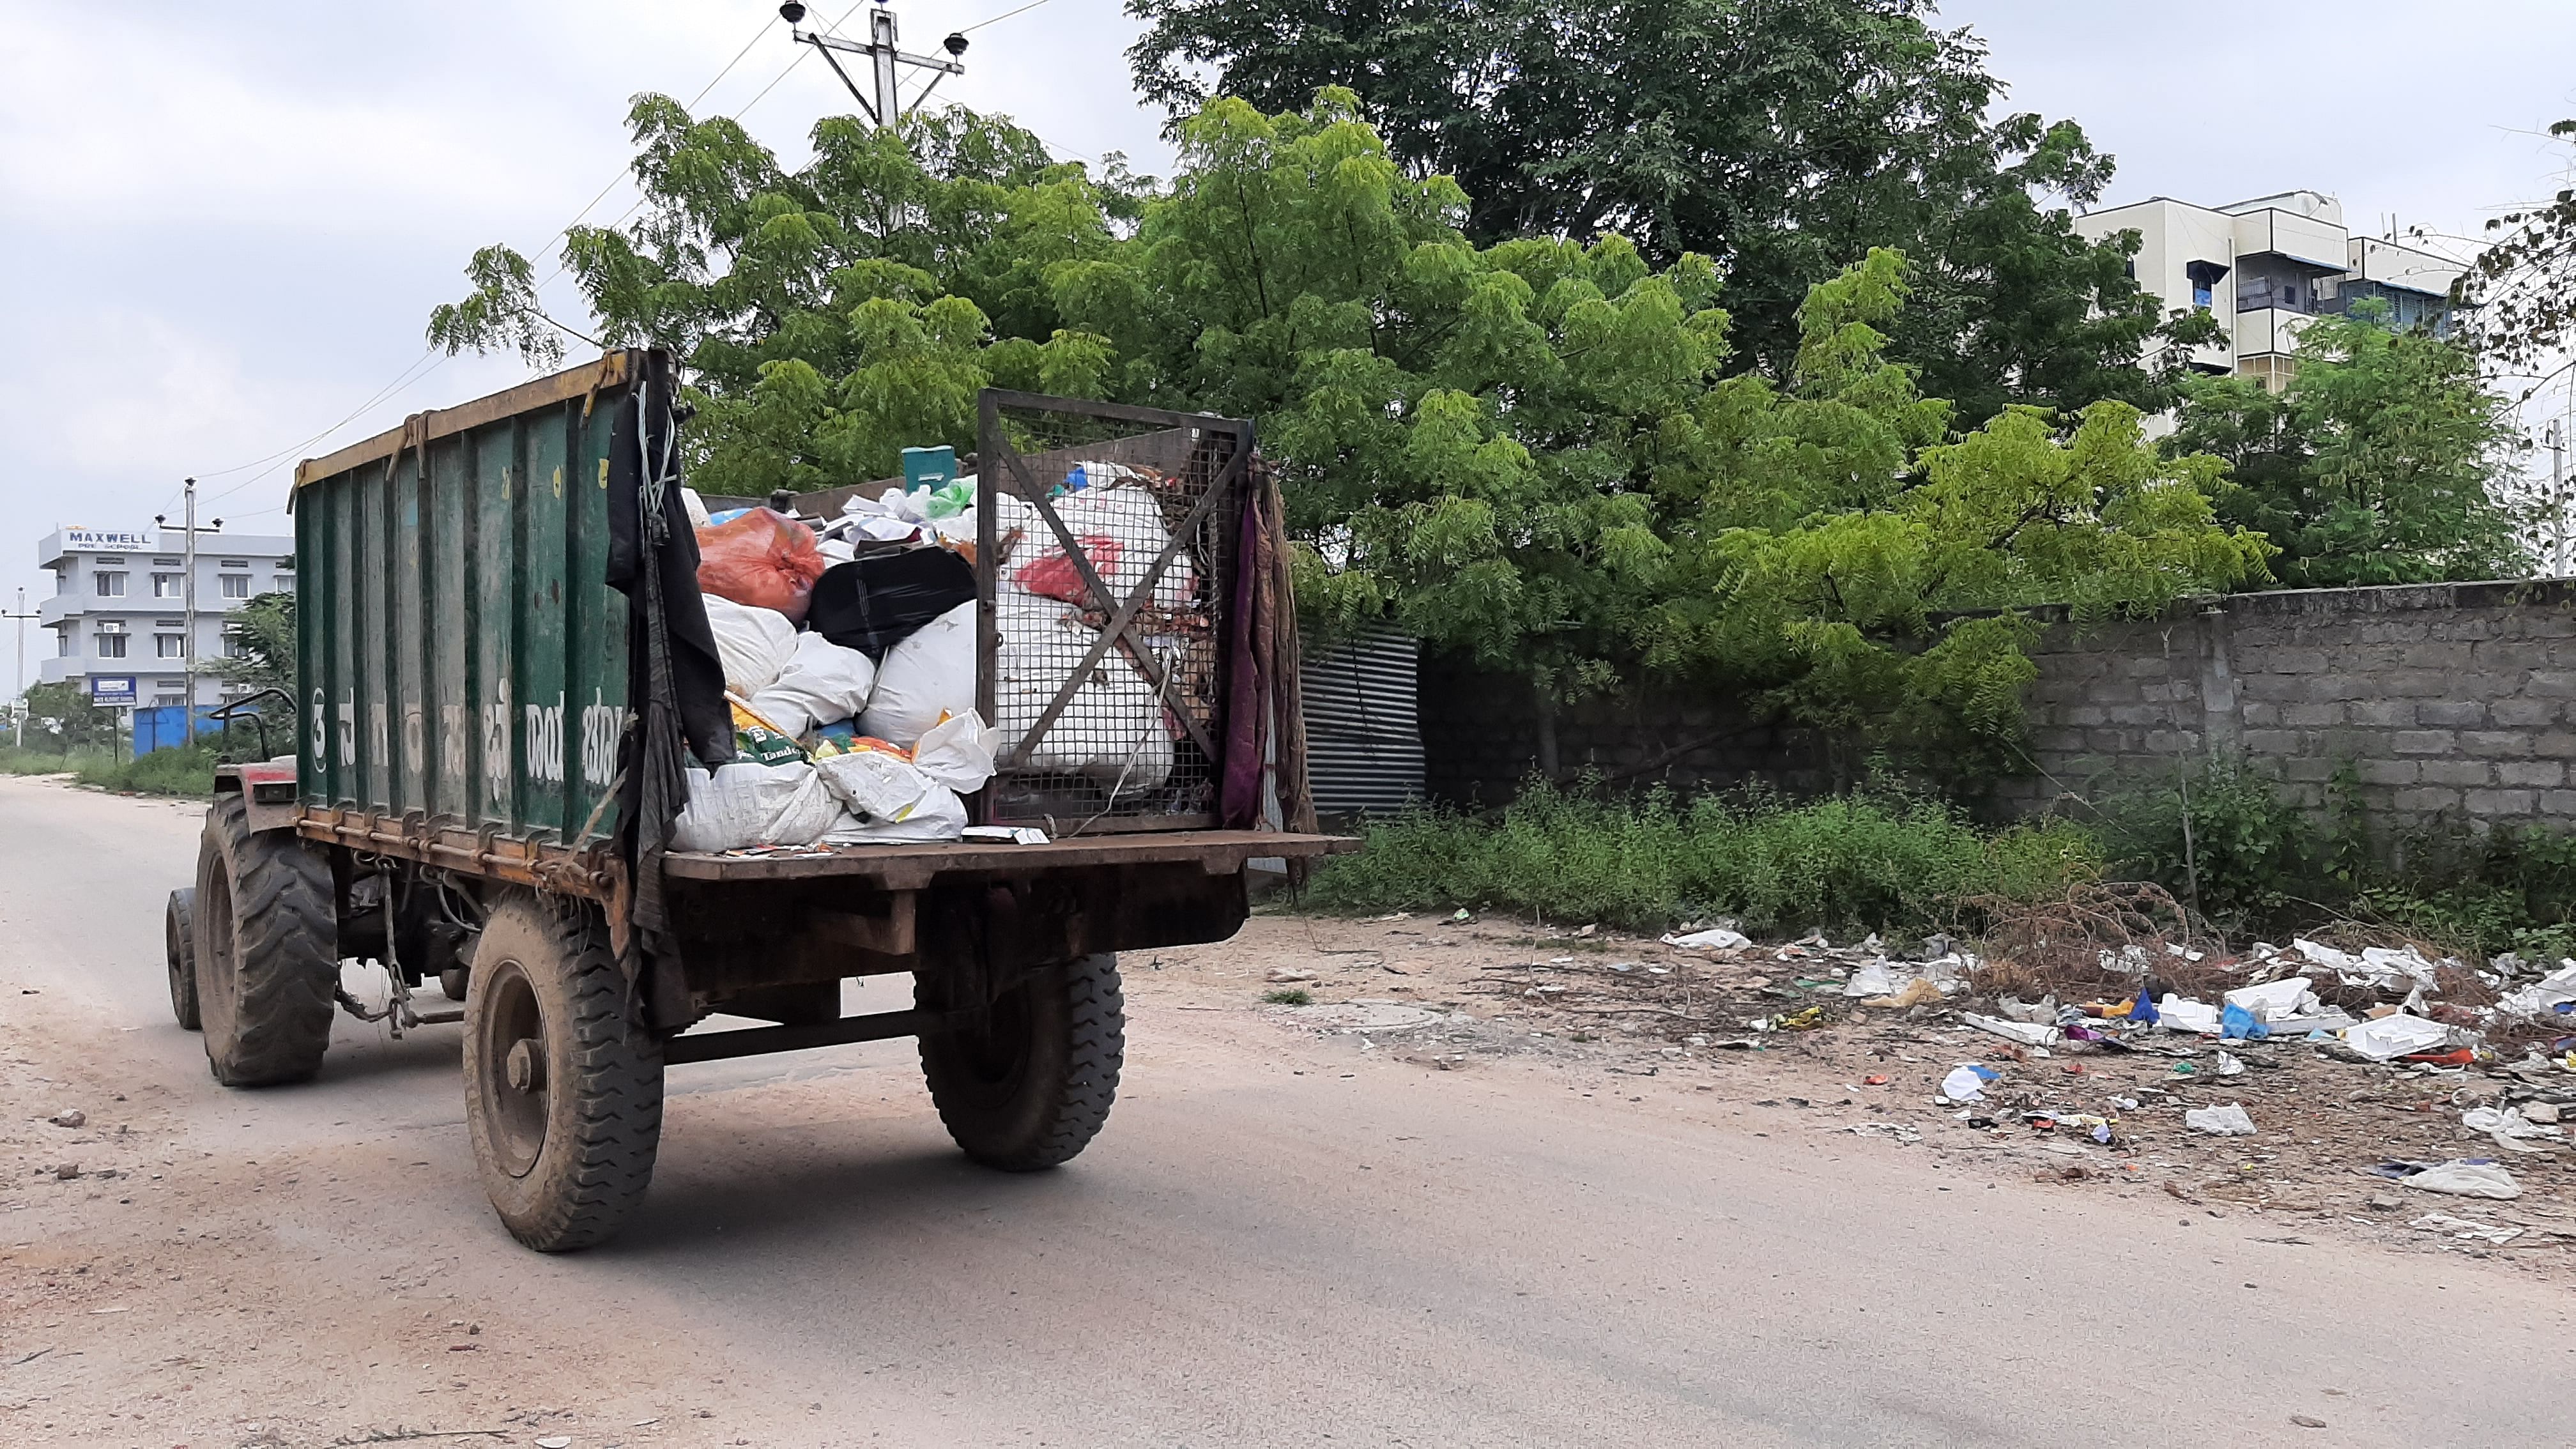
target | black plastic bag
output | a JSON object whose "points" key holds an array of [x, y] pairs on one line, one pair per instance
{"points": [[874, 602]]}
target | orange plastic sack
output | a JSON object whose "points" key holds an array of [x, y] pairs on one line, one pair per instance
{"points": [[763, 559]]}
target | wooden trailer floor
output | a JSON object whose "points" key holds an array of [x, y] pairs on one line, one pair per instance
{"points": [[909, 867]]}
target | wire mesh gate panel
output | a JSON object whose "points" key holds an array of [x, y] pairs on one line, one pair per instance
{"points": [[1106, 550]]}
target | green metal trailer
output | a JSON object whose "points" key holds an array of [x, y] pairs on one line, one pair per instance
{"points": [[481, 796]]}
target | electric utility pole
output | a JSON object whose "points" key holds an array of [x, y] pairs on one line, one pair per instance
{"points": [[188, 648], [885, 106], [2558, 562], [19, 712]]}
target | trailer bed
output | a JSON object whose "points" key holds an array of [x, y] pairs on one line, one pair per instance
{"points": [[910, 867]]}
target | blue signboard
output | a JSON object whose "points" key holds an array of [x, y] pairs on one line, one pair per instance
{"points": [[111, 689]]}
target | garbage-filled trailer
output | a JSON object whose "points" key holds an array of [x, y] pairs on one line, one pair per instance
{"points": [[553, 758]]}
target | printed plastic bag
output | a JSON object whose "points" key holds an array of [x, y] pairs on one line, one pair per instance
{"points": [[823, 683], [753, 644], [743, 804], [875, 602], [957, 752], [930, 674], [763, 559], [890, 800]]}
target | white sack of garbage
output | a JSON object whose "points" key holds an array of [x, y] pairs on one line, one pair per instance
{"points": [[890, 800], [1111, 731], [740, 805], [755, 644], [823, 683], [928, 674]]}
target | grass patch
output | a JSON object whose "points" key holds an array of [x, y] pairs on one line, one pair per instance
{"points": [[47, 762], [1289, 996], [1860, 862], [189, 771]]}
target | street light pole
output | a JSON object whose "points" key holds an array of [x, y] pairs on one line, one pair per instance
{"points": [[19, 679]]}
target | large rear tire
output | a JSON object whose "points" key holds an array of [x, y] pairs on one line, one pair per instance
{"points": [[267, 949], [1029, 1083], [563, 1080], [179, 945]]}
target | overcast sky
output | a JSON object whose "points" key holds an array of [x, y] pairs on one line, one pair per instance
{"points": [[224, 225]]}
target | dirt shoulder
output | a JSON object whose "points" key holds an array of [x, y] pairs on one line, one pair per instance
{"points": [[1628, 1017]]}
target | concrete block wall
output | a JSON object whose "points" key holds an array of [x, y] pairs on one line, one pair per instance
{"points": [[2451, 702]]}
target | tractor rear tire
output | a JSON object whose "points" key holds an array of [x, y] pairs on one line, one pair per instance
{"points": [[1029, 1081], [178, 944], [563, 1079], [267, 952]]}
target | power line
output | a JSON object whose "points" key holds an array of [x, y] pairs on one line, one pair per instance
{"points": [[1005, 15], [404, 379]]}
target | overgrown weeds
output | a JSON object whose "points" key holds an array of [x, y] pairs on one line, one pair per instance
{"points": [[1883, 861], [189, 770]]}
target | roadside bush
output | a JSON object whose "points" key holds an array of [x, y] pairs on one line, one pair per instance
{"points": [[1859, 862], [2226, 845], [47, 762], [189, 771]]}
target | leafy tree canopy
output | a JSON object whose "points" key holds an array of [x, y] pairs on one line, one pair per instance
{"points": [[1780, 138], [2524, 285], [1530, 451], [2381, 462], [61, 714]]}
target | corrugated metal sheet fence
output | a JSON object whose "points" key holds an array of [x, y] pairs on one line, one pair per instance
{"points": [[1363, 740]]}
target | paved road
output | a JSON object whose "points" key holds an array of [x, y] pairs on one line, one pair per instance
{"points": [[1277, 1242]]}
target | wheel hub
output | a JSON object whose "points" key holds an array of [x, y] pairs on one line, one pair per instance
{"points": [[510, 1040]]}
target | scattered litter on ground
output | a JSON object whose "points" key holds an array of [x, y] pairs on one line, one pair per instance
{"points": [[2467, 1229], [2231, 1120], [2464, 1177]]}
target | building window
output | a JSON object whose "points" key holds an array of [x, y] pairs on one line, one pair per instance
{"points": [[109, 586], [170, 646], [111, 646], [283, 583], [2200, 296], [165, 586], [167, 700], [236, 586]]}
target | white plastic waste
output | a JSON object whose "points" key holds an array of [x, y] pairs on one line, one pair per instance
{"points": [[2467, 1230], [2229, 1065], [890, 800], [929, 673], [1964, 1084], [2176, 1013], [957, 752], [1870, 980], [823, 683], [2544, 996], [2228, 1121], [2026, 1032], [1715, 938], [694, 506], [2276, 1000], [2508, 1127], [754, 643], [2466, 1178], [2389, 1037], [743, 804]]}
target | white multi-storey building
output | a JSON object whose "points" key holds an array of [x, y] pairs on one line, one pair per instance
{"points": [[2269, 265], [119, 610]]}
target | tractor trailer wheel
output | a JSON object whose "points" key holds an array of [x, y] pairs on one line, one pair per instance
{"points": [[267, 950], [563, 1080], [1027, 1083], [178, 943]]}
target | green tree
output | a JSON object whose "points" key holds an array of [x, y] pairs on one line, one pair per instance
{"points": [[62, 715], [2382, 462], [1526, 451], [2523, 286], [833, 315], [262, 635], [1781, 138]]}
